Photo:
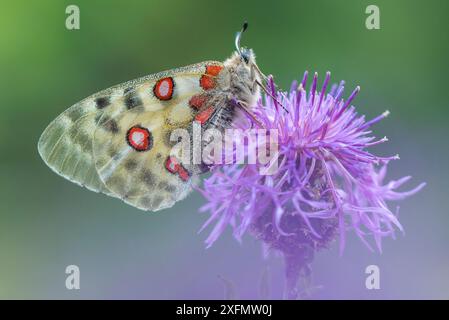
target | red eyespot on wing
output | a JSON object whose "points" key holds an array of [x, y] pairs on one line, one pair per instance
{"points": [[183, 174], [163, 89], [207, 82], [213, 70], [173, 166], [139, 138], [204, 115], [197, 101]]}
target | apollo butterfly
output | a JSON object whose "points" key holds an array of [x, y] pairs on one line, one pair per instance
{"points": [[117, 141]]}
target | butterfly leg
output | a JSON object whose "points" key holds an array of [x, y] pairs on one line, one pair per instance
{"points": [[246, 109]]}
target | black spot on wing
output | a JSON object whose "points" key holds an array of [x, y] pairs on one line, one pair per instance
{"points": [[130, 164], [148, 178], [108, 124], [170, 188], [132, 100], [102, 102], [112, 152], [111, 126], [128, 90]]}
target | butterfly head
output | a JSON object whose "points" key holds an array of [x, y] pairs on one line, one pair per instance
{"points": [[241, 75]]}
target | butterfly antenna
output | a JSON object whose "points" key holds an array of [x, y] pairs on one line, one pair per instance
{"points": [[244, 107], [239, 36], [264, 77]]}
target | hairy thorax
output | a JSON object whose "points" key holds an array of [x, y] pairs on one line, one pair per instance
{"points": [[239, 80], [237, 87]]}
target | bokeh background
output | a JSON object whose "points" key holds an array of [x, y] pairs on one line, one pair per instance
{"points": [[47, 223]]}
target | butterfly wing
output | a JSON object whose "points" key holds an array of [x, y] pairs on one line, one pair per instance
{"points": [[66, 144], [117, 141]]}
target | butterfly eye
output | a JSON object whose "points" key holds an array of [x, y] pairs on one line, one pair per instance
{"points": [[245, 54]]}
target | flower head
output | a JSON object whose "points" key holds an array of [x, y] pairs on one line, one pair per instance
{"points": [[327, 182]]}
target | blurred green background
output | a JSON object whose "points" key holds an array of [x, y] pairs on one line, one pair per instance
{"points": [[47, 223]]}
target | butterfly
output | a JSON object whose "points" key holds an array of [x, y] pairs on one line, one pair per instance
{"points": [[117, 141]]}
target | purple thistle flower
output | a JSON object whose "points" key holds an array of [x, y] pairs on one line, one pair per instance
{"points": [[326, 183]]}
